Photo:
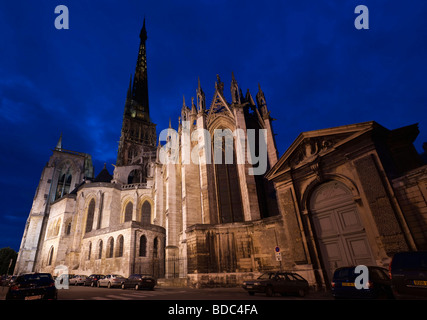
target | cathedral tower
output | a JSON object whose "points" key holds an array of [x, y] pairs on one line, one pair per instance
{"points": [[138, 132], [138, 135], [65, 171]]}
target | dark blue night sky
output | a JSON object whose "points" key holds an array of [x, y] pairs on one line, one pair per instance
{"points": [[315, 68]]}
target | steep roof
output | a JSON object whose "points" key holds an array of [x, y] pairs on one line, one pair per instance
{"points": [[103, 176]]}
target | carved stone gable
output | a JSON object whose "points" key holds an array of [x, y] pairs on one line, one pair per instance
{"points": [[310, 149], [219, 107]]}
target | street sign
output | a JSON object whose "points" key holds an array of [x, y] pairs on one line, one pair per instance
{"points": [[278, 256], [277, 249]]}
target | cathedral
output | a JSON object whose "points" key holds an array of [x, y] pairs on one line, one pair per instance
{"points": [[354, 194]]}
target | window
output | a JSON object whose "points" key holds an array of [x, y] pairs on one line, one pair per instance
{"points": [[60, 187], [128, 211], [143, 246], [155, 247], [50, 257], [135, 176], [378, 274], [64, 184], [119, 252], [101, 205], [90, 215], [100, 250], [130, 152], [68, 228], [110, 248], [67, 185], [89, 252], [146, 213], [227, 185]]}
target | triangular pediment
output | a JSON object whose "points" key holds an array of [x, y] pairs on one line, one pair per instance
{"points": [[310, 145], [219, 107]]}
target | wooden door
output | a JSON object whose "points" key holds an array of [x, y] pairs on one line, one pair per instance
{"points": [[338, 228]]}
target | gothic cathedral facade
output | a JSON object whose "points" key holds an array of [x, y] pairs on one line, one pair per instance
{"points": [[169, 220], [336, 197]]}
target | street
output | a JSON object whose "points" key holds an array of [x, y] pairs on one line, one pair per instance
{"points": [[170, 293], [203, 303]]}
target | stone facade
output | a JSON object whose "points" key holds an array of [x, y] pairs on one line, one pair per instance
{"points": [[411, 193], [156, 217], [354, 194], [340, 198]]}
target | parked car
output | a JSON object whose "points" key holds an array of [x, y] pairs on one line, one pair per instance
{"points": [[78, 279], [111, 280], [277, 282], [408, 273], [92, 280], [34, 286], [139, 281], [4, 280], [378, 286], [10, 280]]}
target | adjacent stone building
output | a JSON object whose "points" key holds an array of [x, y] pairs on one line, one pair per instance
{"points": [[351, 195], [354, 194]]}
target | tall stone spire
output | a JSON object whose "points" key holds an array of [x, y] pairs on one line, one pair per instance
{"points": [[129, 93], [219, 85], [235, 92], [143, 33], [200, 95], [128, 103], [140, 83], [138, 132], [262, 104], [59, 144]]}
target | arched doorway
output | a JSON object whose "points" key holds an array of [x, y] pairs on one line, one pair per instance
{"points": [[338, 227]]}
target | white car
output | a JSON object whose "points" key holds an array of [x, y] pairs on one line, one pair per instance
{"points": [[111, 280], [76, 280]]}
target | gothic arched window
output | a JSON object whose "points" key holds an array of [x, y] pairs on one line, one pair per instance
{"points": [[135, 176], [110, 248], [50, 256], [227, 186], [155, 248], [67, 185], [64, 184], [120, 246], [100, 249], [128, 211], [68, 228], [89, 251], [143, 246], [146, 213], [90, 215]]}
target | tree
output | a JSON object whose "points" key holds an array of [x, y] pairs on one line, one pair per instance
{"points": [[6, 254]]}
